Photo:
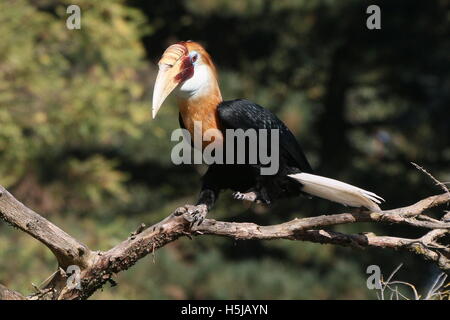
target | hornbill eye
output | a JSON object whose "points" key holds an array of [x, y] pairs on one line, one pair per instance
{"points": [[194, 56]]}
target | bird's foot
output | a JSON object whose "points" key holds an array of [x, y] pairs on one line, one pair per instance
{"points": [[249, 196], [252, 196], [195, 214]]}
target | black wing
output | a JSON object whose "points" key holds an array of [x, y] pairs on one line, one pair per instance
{"points": [[244, 114]]}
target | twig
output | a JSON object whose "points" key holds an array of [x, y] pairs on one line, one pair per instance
{"points": [[438, 183]]}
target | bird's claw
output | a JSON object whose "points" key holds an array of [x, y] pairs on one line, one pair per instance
{"points": [[249, 196], [252, 196], [196, 214]]}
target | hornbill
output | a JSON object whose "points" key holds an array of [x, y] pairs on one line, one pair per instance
{"points": [[186, 69]]}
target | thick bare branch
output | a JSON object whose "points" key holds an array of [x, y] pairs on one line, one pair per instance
{"points": [[7, 294], [97, 268], [67, 249], [128, 252]]}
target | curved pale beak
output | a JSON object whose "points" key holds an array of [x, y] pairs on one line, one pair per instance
{"points": [[165, 83]]}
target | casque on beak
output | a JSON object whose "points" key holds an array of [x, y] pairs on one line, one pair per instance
{"points": [[172, 66]]}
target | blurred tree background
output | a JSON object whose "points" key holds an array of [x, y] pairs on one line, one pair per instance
{"points": [[77, 143]]}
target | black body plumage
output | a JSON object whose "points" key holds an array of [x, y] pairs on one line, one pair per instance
{"points": [[244, 114]]}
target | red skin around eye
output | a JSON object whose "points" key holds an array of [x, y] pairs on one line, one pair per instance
{"points": [[187, 70]]}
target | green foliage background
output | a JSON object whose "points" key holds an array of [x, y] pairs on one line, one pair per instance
{"points": [[77, 143]]}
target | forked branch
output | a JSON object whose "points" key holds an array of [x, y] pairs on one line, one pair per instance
{"points": [[98, 267]]}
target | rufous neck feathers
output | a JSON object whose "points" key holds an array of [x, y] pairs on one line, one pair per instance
{"points": [[199, 99]]}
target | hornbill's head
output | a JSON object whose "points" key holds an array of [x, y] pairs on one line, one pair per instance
{"points": [[185, 68]]}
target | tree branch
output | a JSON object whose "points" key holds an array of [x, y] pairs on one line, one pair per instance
{"points": [[68, 250], [97, 268], [7, 294]]}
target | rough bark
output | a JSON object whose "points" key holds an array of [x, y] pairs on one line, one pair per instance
{"points": [[97, 267], [7, 294]]}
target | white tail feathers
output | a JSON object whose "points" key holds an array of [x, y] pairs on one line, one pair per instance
{"points": [[337, 191]]}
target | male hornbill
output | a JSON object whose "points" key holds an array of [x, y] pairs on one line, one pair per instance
{"points": [[187, 69]]}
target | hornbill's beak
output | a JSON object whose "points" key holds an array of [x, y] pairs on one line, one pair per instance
{"points": [[171, 68]]}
